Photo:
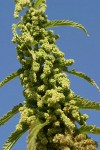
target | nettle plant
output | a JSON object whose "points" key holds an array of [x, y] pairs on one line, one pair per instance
{"points": [[51, 110]]}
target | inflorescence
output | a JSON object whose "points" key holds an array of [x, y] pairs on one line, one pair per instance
{"points": [[47, 92]]}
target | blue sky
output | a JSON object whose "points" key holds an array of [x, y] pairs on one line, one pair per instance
{"points": [[73, 42]]}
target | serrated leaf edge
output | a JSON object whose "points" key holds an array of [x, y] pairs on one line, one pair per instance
{"points": [[56, 23], [12, 139], [84, 103], [10, 77], [83, 76], [10, 114]]}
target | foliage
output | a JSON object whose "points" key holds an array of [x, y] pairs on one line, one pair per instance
{"points": [[84, 103], [12, 139], [51, 110], [83, 76], [56, 23], [10, 114], [10, 77], [34, 130]]}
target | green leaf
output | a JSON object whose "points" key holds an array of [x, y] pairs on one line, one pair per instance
{"points": [[84, 103], [12, 139], [89, 129], [10, 77], [10, 114], [38, 3], [33, 132], [83, 76], [56, 23], [34, 43]]}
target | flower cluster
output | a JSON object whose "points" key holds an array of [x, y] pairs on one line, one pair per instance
{"points": [[46, 86]]}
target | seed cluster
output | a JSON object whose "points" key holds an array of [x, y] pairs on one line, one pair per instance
{"points": [[46, 87]]}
